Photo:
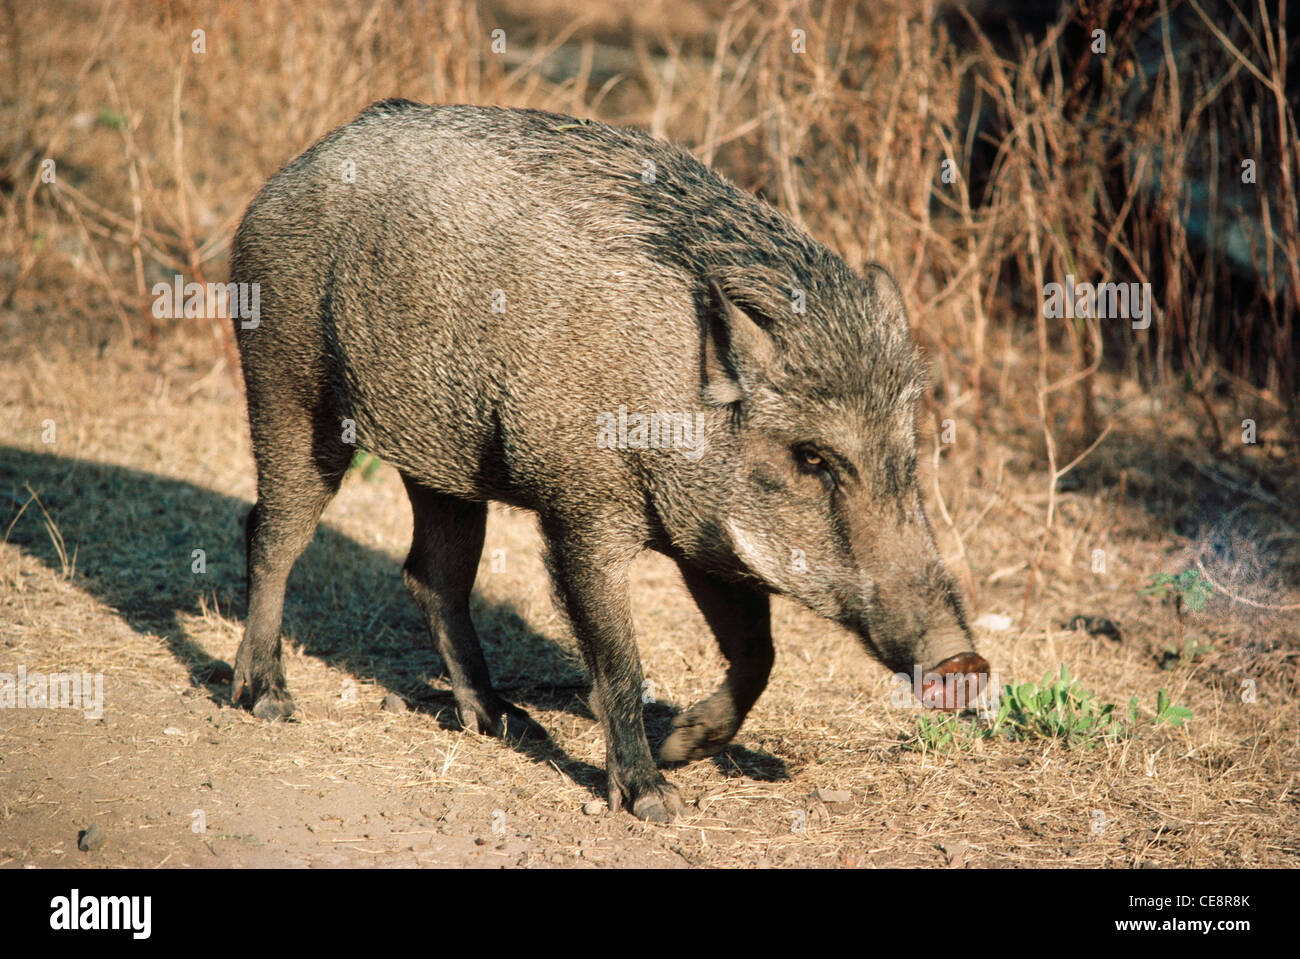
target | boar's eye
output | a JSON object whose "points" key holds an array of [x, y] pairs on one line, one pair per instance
{"points": [[812, 461]]}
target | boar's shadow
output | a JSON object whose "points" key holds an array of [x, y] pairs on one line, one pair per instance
{"points": [[132, 535]]}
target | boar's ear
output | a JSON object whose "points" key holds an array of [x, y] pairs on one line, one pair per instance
{"points": [[737, 351]]}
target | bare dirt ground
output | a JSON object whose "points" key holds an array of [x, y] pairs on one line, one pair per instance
{"points": [[150, 461]]}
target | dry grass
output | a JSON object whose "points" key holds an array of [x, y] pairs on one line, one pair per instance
{"points": [[157, 153]]}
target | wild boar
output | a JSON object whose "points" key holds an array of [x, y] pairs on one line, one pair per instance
{"points": [[505, 305]]}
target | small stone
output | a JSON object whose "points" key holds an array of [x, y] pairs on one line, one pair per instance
{"points": [[593, 808], [1094, 626], [393, 703], [955, 853], [834, 795], [90, 839]]}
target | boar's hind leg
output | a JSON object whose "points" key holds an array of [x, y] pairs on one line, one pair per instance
{"points": [[740, 619], [298, 472], [591, 583], [439, 573]]}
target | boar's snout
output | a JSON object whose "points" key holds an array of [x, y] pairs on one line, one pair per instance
{"points": [[956, 682], [921, 633], [939, 660]]}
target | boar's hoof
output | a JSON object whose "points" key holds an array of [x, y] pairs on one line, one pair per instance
{"points": [[701, 731], [264, 686], [271, 701], [273, 705], [504, 722], [661, 803], [515, 725]]}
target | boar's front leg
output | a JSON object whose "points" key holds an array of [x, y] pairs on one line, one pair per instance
{"points": [[741, 621], [591, 582]]}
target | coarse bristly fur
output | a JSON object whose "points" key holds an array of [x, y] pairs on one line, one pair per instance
{"points": [[497, 302]]}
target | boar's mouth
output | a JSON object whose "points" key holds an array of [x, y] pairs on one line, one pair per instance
{"points": [[955, 683]]}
